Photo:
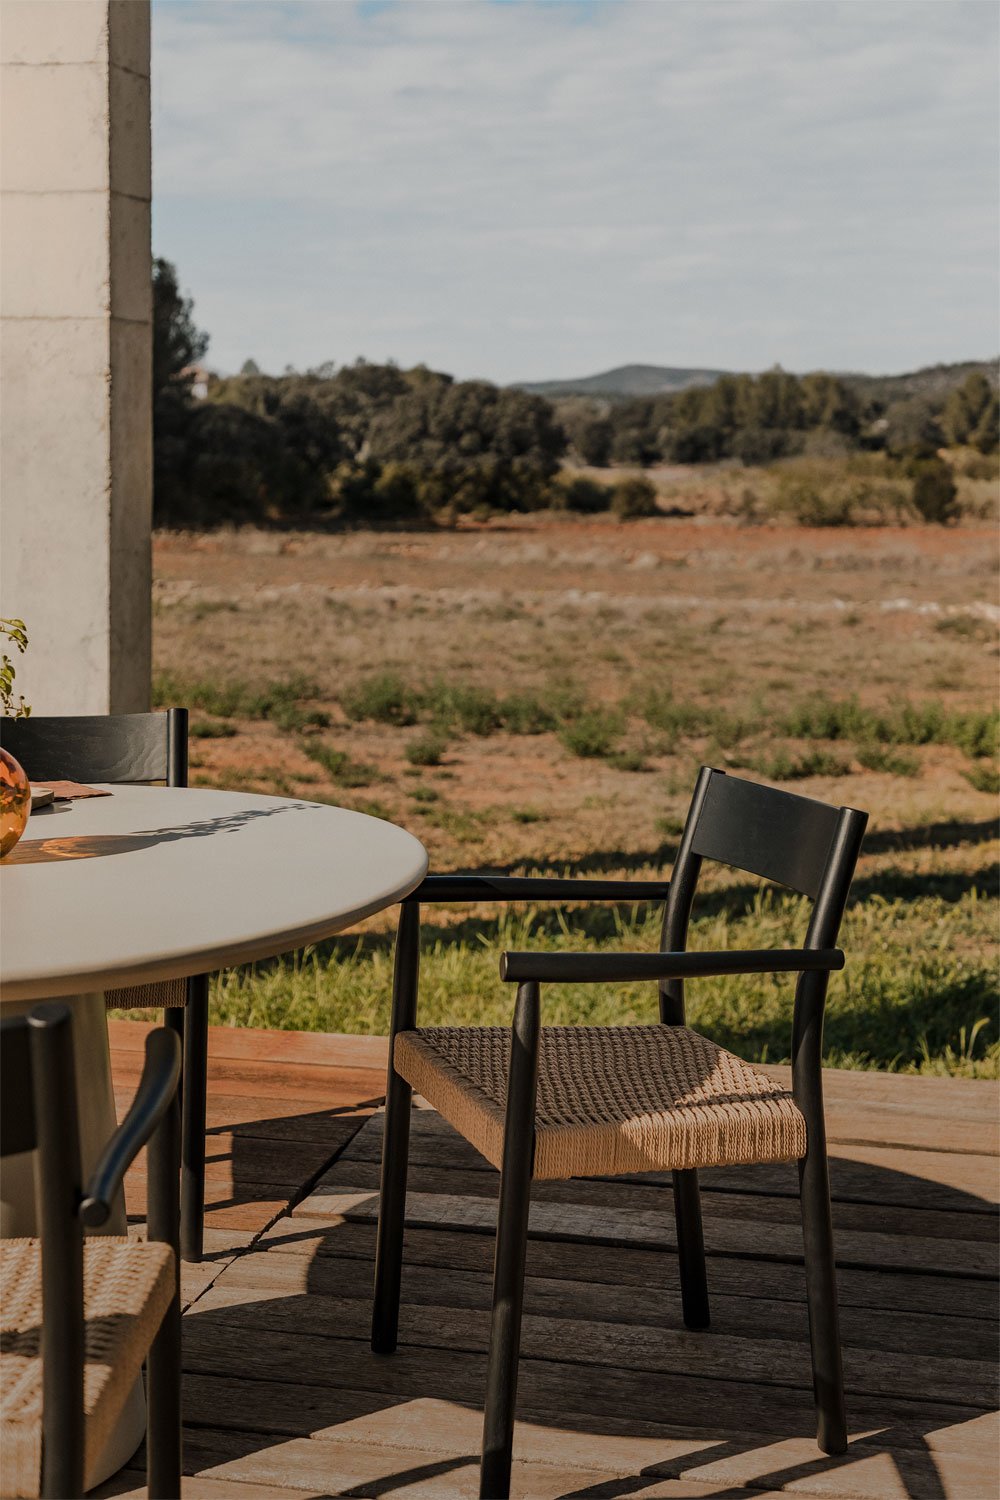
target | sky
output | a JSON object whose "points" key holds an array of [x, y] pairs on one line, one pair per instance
{"points": [[518, 190]]}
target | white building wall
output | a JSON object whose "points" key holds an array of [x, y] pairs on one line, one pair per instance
{"points": [[76, 349]]}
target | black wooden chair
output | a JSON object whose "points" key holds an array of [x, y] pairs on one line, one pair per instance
{"points": [[137, 748], [560, 1102], [79, 1316]]}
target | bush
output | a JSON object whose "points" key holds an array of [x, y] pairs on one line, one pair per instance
{"points": [[583, 495], [784, 767], [984, 778], [875, 757], [470, 710], [523, 713], [339, 766], [384, 698], [934, 492], [633, 498], [428, 749], [593, 734], [815, 496]]}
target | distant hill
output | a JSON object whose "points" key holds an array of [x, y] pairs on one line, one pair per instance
{"points": [[625, 381], [934, 381]]}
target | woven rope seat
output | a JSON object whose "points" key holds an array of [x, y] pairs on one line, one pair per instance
{"points": [[127, 1289], [611, 1099], [166, 993]]}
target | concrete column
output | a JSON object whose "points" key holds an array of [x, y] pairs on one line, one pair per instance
{"points": [[76, 350]]}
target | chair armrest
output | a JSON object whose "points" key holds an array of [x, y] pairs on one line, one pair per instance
{"points": [[157, 1088], [534, 888], [611, 968]]}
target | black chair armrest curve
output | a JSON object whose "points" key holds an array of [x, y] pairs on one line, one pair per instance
{"points": [[612, 968], [435, 888], [157, 1088]]}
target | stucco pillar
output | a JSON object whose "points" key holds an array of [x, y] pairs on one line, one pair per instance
{"points": [[76, 349]]}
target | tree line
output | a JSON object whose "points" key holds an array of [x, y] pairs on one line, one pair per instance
{"points": [[369, 443]]}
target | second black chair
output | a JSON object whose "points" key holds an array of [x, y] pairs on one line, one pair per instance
{"points": [[79, 1316], [137, 748]]}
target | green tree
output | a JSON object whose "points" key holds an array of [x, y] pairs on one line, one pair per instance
{"points": [[177, 342], [966, 407], [912, 429], [934, 492], [986, 434], [177, 345]]}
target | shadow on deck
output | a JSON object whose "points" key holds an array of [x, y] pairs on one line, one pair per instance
{"points": [[283, 1397]]}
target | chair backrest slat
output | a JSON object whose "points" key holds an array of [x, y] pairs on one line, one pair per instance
{"points": [[17, 1098], [776, 835], [101, 747], [796, 842]]}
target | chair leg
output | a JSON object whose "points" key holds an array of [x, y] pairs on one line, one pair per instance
{"points": [[194, 1108], [821, 1296], [512, 1245], [163, 1363], [505, 1330], [163, 1423], [391, 1215], [691, 1250]]}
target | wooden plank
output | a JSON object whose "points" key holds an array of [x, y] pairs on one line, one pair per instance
{"points": [[656, 1230], [220, 1341], [321, 1085], [335, 1049], [636, 1347], [653, 1197], [435, 1443], [628, 1267], [599, 1302], [938, 1180]]}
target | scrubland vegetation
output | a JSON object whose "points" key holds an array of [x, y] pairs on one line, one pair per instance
{"points": [[374, 445], [537, 697]]}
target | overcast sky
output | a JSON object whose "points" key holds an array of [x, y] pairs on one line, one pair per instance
{"points": [[530, 190]]}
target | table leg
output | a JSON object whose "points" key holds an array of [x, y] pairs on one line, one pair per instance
{"points": [[95, 1093]]}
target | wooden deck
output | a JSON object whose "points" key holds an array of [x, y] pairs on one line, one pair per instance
{"points": [[284, 1399]]}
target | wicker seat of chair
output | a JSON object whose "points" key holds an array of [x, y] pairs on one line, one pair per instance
{"points": [[128, 1286], [610, 1100], [164, 994]]}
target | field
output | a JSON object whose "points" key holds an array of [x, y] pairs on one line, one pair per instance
{"points": [[536, 695]]}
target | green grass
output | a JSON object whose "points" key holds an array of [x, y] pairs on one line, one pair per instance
{"points": [[984, 778], [339, 766], [211, 729], [918, 993], [280, 701], [905, 723], [891, 762], [780, 765]]}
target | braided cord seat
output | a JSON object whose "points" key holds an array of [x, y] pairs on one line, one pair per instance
{"points": [[127, 1289], [167, 993], [610, 1100]]}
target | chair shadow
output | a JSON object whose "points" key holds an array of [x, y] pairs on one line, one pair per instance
{"points": [[101, 846], [325, 1317]]}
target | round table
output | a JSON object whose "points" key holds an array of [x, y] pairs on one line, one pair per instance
{"points": [[155, 883]]}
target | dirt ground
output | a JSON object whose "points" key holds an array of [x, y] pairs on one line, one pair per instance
{"points": [[753, 619]]}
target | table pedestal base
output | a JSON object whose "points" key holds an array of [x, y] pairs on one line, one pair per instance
{"points": [[95, 1093]]}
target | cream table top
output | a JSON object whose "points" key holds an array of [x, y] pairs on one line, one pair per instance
{"points": [[160, 882]]}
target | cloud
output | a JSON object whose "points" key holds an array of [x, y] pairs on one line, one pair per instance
{"points": [[530, 189]]}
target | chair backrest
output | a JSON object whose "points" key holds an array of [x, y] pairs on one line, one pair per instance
{"points": [[807, 846], [101, 747], [38, 1111]]}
